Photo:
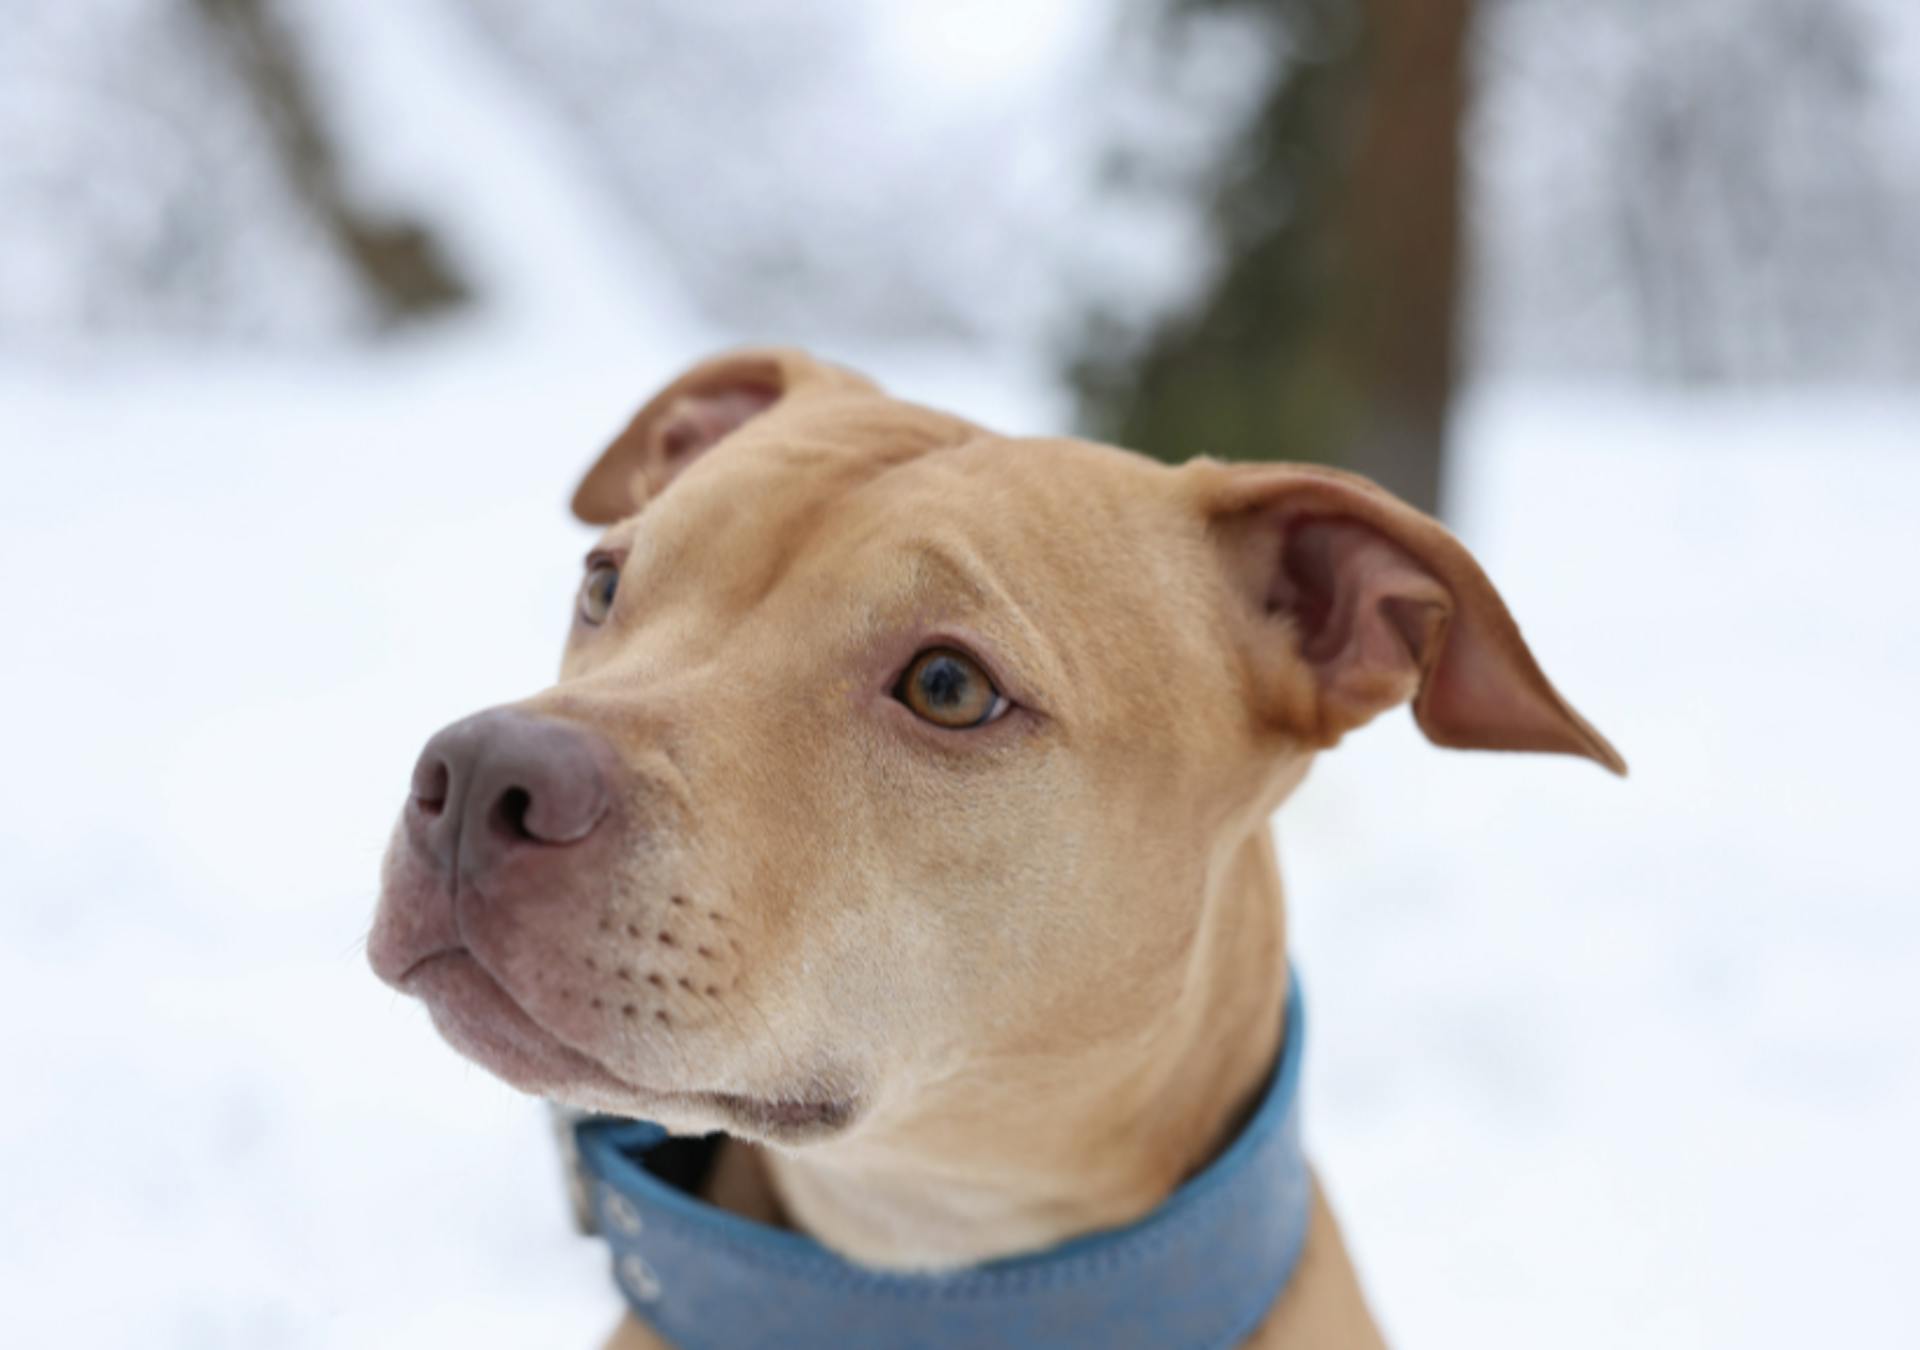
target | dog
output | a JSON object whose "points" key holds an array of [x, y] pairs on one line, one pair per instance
{"points": [[901, 816]]}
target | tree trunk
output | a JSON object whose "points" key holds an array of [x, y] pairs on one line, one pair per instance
{"points": [[1401, 220], [1329, 331], [399, 263]]}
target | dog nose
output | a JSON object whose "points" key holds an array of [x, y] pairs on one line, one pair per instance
{"points": [[502, 783]]}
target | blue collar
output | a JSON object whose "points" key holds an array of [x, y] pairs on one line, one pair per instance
{"points": [[1198, 1273]]}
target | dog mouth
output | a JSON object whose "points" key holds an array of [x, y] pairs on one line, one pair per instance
{"points": [[480, 1018], [785, 1122]]}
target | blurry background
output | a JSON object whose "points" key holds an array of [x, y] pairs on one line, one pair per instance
{"points": [[311, 314]]}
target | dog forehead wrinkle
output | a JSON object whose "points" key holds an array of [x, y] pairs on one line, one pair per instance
{"points": [[751, 514], [742, 516], [1098, 559], [938, 576]]}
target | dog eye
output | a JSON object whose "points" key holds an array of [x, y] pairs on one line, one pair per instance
{"points": [[596, 592], [948, 689]]}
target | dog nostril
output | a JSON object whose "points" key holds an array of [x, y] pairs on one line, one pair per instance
{"points": [[510, 813]]}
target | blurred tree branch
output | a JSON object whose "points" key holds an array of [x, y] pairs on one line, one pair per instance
{"points": [[1328, 330], [399, 262]]}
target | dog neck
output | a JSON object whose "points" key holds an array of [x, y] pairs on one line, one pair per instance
{"points": [[1008, 1159]]}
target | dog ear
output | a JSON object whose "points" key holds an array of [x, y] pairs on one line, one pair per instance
{"points": [[690, 416], [1358, 603]]}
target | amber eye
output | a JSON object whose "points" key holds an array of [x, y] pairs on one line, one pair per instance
{"points": [[596, 592], [948, 689]]}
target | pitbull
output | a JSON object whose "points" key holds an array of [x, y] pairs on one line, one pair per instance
{"points": [[901, 811]]}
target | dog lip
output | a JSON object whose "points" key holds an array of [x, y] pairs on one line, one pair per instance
{"points": [[483, 1020], [419, 962], [787, 1120]]}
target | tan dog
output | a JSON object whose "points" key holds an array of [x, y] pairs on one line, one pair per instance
{"points": [[902, 809]]}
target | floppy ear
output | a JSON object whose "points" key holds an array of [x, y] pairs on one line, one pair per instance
{"points": [[1356, 603], [691, 415]]}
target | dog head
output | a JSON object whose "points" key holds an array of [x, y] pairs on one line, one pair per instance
{"points": [[885, 745]]}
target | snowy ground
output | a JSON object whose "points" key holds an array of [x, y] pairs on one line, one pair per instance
{"points": [[1594, 1063]]}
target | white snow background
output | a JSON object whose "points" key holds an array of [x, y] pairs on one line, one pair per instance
{"points": [[1592, 1063]]}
